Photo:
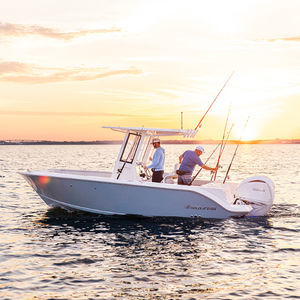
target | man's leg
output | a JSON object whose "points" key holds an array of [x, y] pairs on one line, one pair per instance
{"points": [[157, 176], [186, 179], [179, 180]]}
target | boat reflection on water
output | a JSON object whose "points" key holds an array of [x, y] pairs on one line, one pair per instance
{"points": [[59, 222]]}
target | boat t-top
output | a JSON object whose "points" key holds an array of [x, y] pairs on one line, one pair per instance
{"points": [[128, 189]]}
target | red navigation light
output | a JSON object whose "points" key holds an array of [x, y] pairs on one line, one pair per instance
{"points": [[44, 179]]}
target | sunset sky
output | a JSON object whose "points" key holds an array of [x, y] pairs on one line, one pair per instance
{"points": [[69, 67]]}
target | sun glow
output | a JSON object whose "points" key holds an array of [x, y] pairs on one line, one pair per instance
{"points": [[250, 134], [160, 58]]}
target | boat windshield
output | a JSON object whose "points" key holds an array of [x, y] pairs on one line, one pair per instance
{"points": [[130, 147]]}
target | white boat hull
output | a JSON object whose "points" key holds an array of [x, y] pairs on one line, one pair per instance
{"points": [[127, 190], [114, 197]]}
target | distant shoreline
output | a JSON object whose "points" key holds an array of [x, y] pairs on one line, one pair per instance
{"points": [[177, 142]]}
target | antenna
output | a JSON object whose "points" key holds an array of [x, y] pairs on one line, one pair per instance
{"points": [[182, 120]]}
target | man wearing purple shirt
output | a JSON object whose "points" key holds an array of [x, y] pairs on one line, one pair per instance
{"points": [[188, 160]]}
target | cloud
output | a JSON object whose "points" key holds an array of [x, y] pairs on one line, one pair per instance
{"points": [[287, 39], [63, 114], [7, 67], [26, 73], [18, 30]]}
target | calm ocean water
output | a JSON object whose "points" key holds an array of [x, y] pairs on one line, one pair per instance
{"points": [[52, 254]]}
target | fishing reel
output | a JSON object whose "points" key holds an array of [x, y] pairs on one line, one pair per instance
{"points": [[144, 173]]}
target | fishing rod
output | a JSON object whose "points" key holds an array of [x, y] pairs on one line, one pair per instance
{"points": [[214, 175], [222, 150], [199, 124], [228, 134], [237, 146], [204, 163]]}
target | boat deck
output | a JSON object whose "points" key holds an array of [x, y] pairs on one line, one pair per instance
{"points": [[83, 172]]}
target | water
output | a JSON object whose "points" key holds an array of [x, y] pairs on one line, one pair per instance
{"points": [[51, 254]]}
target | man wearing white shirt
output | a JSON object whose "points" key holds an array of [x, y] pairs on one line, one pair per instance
{"points": [[158, 162]]}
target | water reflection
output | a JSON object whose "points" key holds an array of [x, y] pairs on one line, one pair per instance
{"points": [[143, 234], [121, 226], [190, 256], [53, 254]]}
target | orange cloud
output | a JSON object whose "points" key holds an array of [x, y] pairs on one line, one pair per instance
{"points": [[7, 67], [63, 114], [18, 30], [288, 39], [25, 73]]}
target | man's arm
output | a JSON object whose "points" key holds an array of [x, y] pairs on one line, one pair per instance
{"points": [[180, 158], [209, 168], [155, 160], [203, 166]]}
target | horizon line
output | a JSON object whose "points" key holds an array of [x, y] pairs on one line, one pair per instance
{"points": [[169, 141]]}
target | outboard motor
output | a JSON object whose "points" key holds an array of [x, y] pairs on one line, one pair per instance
{"points": [[258, 191]]}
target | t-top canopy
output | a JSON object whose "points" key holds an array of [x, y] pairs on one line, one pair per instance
{"points": [[188, 133]]}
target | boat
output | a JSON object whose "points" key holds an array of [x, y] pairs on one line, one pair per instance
{"points": [[128, 189]]}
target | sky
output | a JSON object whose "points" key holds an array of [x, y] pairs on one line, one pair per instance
{"points": [[69, 67]]}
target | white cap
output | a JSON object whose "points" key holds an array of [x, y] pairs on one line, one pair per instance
{"points": [[200, 148], [155, 141]]}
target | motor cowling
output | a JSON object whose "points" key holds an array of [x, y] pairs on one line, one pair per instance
{"points": [[258, 191]]}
